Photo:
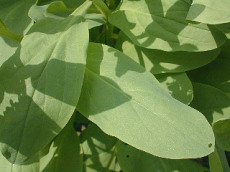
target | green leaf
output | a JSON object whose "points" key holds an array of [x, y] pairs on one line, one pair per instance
{"points": [[178, 85], [158, 61], [6, 166], [215, 105], [210, 12], [127, 102], [222, 131], [225, 28], [134, 160], [58, 10], [162, 25], [64, 153], [41, 85], [216, 73], [217, 161], [14, 14], [99, 151]]}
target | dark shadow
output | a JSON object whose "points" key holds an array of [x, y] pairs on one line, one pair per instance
{"points": [[216, 73], [67, 148], [209, 101], [98, 144]]}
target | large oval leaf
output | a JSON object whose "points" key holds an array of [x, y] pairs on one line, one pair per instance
{"points": [[127, 102], [161, 24], [158, 61], [41, 84], [211, 11]]}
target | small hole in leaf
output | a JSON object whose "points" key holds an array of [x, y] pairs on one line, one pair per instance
{"points": [[127, 156], [210, 145]]}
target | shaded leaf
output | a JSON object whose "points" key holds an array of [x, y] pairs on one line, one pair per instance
{"points": [[215, 105], [64, 153], [158, 61], [99, 151], [14, 14], [216, 73], [134, 160], [41, 84], [217, 161]]}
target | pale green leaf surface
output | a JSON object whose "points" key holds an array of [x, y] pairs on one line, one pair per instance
{"points": [[218, 162], [127, 102], [64, 153], [210, 11], [6, 166], [99, 151], [161, 24], [178, 85], [51, 11], [41, 85], [134, 160], [157, 61], [215, 105]]}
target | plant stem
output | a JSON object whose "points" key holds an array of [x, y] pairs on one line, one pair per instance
{"points": [[101, 6]]}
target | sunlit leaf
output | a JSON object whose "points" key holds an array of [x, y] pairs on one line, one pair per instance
{"points": [[161, 24], [127, 102], [210, 12]]}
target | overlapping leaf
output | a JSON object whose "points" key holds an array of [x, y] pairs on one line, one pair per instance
{"points": [[158, 61], [161, 24], [215, 105], [218, 162], [14, 15], [41, 85], [99, 151], [64, 153], [216, 73], [127, 102], [133, 160]]}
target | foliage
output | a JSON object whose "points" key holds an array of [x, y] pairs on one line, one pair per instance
{"points": [[114, 85]]}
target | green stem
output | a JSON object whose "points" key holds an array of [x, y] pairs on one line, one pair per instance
{"points": [[6, 33], [11, 35], [102, 7]]}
